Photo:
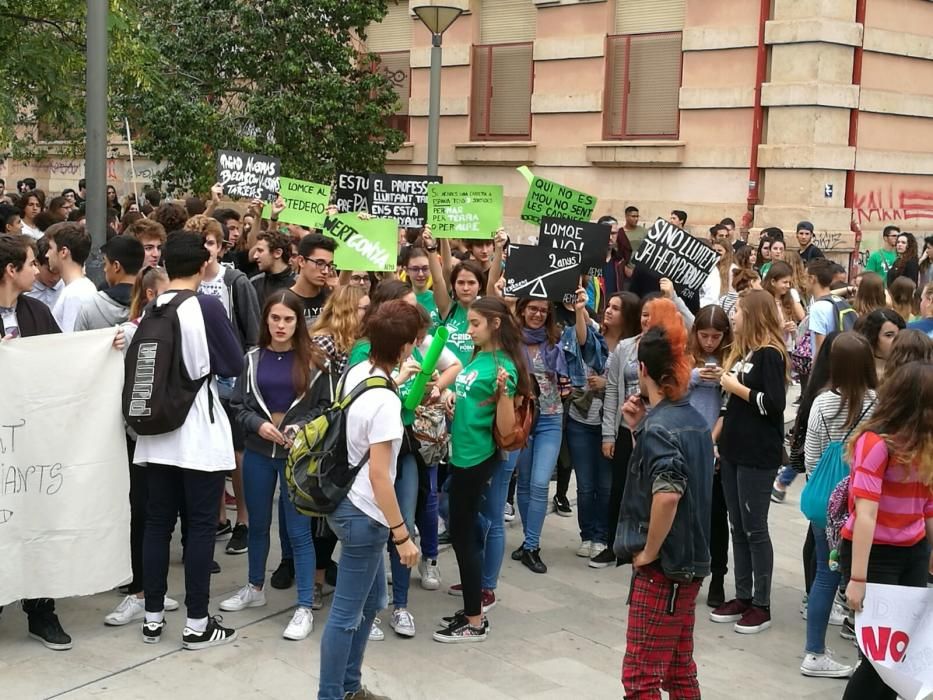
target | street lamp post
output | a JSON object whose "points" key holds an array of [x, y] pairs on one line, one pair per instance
{"points": [[437, 18], [95, 153]]}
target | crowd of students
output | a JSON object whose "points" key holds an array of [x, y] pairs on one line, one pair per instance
{"points": [[670, 412]]}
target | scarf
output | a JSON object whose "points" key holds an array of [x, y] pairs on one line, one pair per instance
{"points": [[554, 361]]}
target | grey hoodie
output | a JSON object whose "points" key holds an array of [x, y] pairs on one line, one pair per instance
{"points": [[107, 309]]}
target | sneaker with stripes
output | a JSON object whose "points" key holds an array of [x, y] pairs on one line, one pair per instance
{"points": [[213, 635]]}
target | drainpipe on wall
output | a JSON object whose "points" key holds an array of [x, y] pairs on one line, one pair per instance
{"points": [[761, 70], [853, 137]]}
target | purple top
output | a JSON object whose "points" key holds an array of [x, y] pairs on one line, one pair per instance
{"points": [[274, 377]]}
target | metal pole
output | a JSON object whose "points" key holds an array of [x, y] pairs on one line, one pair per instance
{"points": [[434, 112], [95, 158], [129, 145]]}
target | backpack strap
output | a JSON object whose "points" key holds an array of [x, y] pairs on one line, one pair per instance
{"points": [[859, 420], [362, 388]]}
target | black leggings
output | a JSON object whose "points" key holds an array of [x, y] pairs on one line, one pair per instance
{"points": [[620, 460], [467, 487], [719, 530]]}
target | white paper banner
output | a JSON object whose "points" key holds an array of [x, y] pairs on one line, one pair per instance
{"points": [[64, 482], [895, 633]]}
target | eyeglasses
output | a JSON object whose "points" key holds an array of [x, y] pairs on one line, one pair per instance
{"points": [[359, 279], [423, 270], [320, 264], [535, 311]]}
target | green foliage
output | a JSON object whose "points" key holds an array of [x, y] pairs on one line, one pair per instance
{"points": [[278, 77]]}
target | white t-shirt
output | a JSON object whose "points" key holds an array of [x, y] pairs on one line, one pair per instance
{"points": [[70, 301], [198, 444], [32, 232], [374, 417], [10, 322], [217, 288]]}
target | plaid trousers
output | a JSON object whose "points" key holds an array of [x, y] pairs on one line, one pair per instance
{"points": [[659, 639]]}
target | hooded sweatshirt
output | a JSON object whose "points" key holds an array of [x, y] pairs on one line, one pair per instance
{"points": [[106, 309]]}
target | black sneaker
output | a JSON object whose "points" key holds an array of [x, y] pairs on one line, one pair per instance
{"points": [[605, 558], [46, 628], [531, 558], [224, 528], [457, 616], [461, 631], [215, 567], [847, 631], [562, 506], [152, 631], [214, 635], [517, 554], [284, 576], [239, 540], [443, 538]]}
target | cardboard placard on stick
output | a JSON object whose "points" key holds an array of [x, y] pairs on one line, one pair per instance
{"points": [[542, 273], [305, 203], [248, 175], [673, 253], [363, 244], [549, 198], [592, 240], [351, 192], [464, 211], [400, 197]]}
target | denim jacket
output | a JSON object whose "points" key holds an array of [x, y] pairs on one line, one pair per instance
{"points": [[673, 453], [593, 354]]}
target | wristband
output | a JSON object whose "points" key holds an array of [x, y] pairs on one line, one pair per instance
{"points": [[402, 541], [396, 527], [432, 250], [857, 580]]}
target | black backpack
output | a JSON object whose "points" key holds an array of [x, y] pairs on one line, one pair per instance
{"points": [[157, 391]]}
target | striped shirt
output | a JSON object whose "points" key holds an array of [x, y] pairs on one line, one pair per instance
{"points": [[904, 503], [827, 423]]}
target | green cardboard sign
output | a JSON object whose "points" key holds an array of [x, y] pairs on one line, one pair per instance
{"points": [[306, 202], [464, 211], [363, 244], [549, 198]]}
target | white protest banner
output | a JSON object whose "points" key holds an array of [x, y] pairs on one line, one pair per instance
{"points": [[64, 482], [895, 633]]}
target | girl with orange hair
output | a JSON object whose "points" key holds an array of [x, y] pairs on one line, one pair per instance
{"points": [[750, 450], [669, 485]]}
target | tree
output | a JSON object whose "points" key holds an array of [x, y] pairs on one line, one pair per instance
{"points": [[283, 78], [42, 70]]}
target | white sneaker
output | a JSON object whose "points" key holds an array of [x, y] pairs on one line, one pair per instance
{"points": [[403, 623], [824, 666], [837, 615], [509, 514], [132, 608], [597, 549], [585, 550], [376, 634], [430, 574], [301, 625], [804, 604], [246, 597], [387, 562]]}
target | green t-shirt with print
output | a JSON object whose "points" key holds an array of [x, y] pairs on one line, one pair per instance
{"points": [[459, 342], [471, 440], [881, 261], [426, 299]]}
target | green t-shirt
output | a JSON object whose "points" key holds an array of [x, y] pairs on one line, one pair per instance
{"points": [[471, 440], [408, 417], [881, 261], [426, 299], [636, 236], [764, 269], [460, 342], [359, 352]]}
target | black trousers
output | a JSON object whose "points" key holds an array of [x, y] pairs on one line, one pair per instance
{"points": [[620, 460], [719, 530], [170, 488], [139, 495], [467, 487]]}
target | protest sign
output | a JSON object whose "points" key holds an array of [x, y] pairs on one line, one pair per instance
{"points": [[464, 211], [64, 511], [895, 633], [248, 175], [400, 197], [548, 198], [305, 203], [542, 273], [673, 253], [363, 244], [592, 240], [351, 192]]}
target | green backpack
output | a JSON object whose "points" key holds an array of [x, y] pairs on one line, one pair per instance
{"points": [[318, 472]]}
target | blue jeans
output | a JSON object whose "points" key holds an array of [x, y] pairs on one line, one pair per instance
{"points": [[360, 594], [492, 520], [259, 475], [427, 523], [822, 594], [406, 491], [535, 466], [594, 480], [283, 527]]}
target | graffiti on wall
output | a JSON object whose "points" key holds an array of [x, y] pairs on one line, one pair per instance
{"points": [[885, 205], [828, 240]]}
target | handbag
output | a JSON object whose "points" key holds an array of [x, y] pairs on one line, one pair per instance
{"points": [[517, 439], [430, 429]]}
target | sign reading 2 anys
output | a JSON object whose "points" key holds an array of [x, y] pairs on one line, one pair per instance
{"points": [[542, 273]]}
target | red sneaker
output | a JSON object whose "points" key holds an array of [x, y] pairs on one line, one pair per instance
{"points": [[731, 611], [489, 600], [753, 621]]}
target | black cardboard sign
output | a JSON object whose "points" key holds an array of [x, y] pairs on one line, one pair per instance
{"points": [[248, 175], [673, 253], [542, 273], [351, 192], [592, 240], [400, 197]]}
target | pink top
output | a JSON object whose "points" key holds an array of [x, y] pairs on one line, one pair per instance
{"points": [[904, 503]]}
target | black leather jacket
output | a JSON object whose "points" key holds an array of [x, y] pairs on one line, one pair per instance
{"points": [[674, 453]]}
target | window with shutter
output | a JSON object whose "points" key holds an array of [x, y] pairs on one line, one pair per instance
{"points": [[393, 33], [643, 70], [503, 70]]}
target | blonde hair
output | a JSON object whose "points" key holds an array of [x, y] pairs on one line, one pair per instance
{"points": [[146, 281], [761, 328], [340, 317], [798, 274], [724, 265], [206, 226]]}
